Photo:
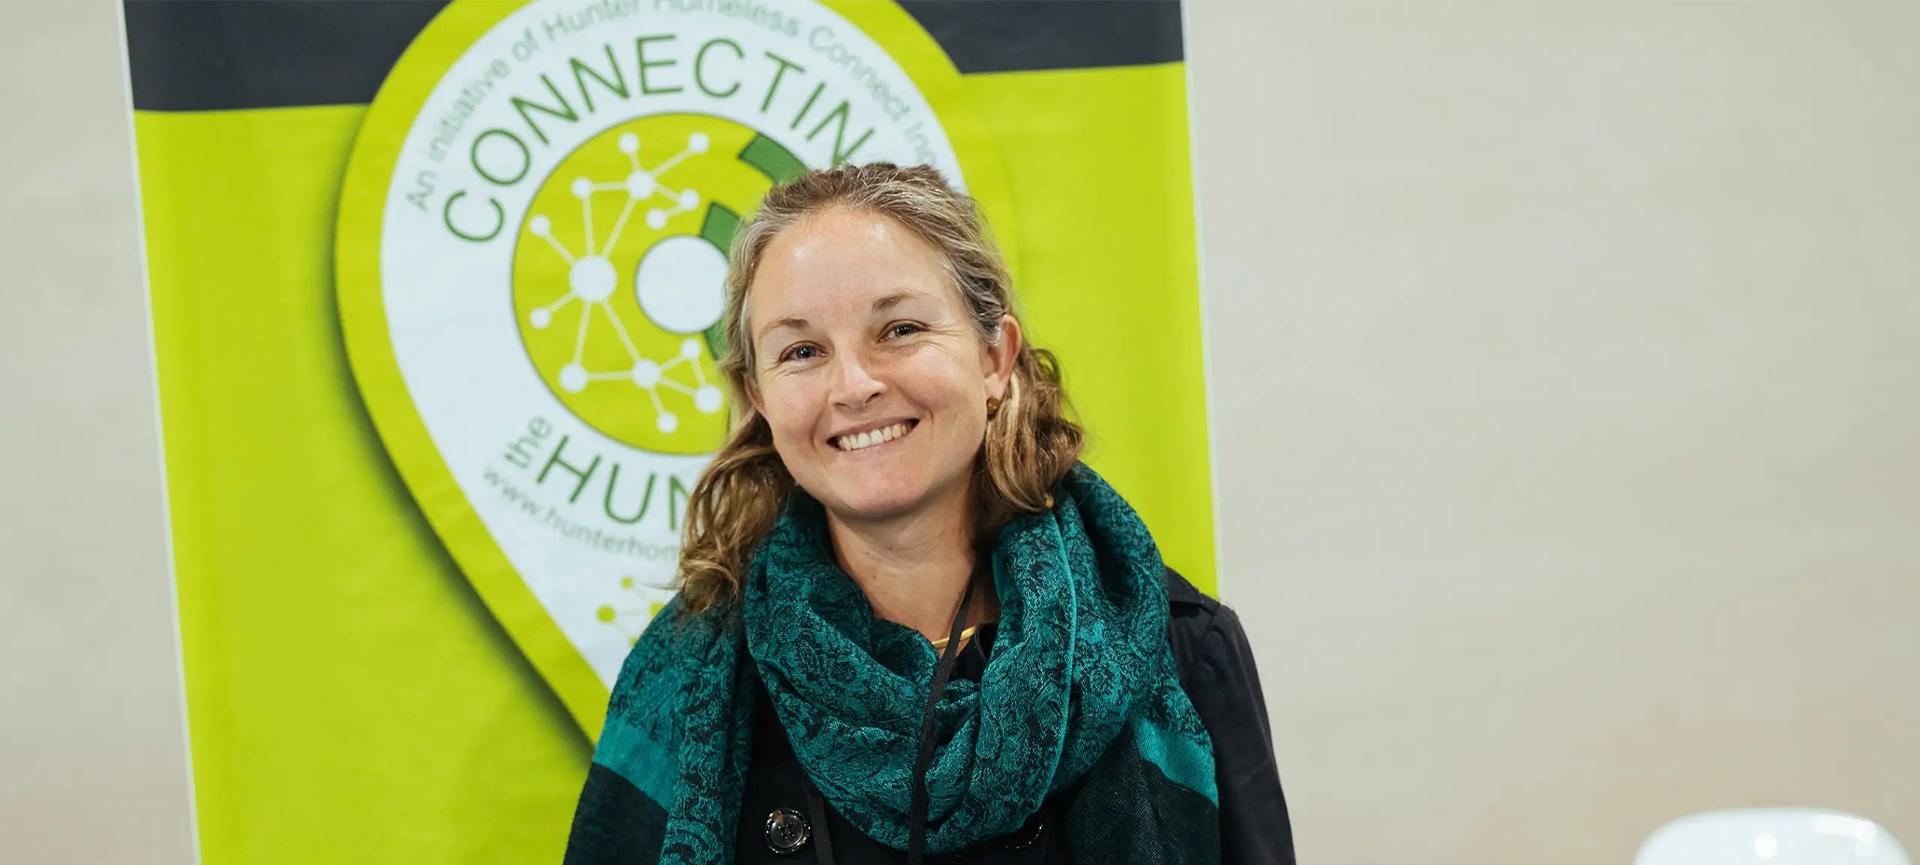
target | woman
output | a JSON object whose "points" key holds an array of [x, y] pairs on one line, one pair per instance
{"points": [[910, 625]]}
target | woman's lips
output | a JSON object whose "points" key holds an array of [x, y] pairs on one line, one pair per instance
{"points": [[869, 439]]}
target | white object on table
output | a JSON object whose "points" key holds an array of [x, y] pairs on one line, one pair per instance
{"points": [[1771, 836]]}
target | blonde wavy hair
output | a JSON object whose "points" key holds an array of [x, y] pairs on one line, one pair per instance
{"points": [[1030, 443]]}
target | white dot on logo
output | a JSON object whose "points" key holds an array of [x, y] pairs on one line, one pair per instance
{"points": [[629, 143], [582, 187], [540, 226], [698, 142], [681, 284], [689, 199], [656, 219], [541, 317], [592, 278], [640, 184], [646, 373], [689, 348], [667, 422], [573, 378], [707, 399]]}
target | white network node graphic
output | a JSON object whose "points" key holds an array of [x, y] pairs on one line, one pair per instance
{"points": [[667, 300]]}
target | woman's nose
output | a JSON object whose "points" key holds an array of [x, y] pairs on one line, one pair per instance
{"points": [[854, 385]]}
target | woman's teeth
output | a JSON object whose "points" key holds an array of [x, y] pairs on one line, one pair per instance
{"points": [[857, 441]]}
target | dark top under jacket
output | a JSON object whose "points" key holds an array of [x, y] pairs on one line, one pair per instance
{"points": [[779, 808]]}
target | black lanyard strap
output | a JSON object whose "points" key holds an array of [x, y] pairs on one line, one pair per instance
{"points": [[923, 758], [817, 812]]}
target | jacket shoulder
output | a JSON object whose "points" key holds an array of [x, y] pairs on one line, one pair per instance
{"points": [[1183, 594], [1191, 616]]}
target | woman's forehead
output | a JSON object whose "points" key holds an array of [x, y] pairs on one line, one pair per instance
{"points": [[846, 245], [843, 263]]}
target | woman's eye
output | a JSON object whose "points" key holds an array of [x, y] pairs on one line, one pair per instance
{"points": [[801, 352], [903, 329]]}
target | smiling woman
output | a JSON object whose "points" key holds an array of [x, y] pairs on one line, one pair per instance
{"points": [[876, 285], [875, 383], [910, 622]]}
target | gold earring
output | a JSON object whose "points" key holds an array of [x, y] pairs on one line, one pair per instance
{"points": [[993, 406]]}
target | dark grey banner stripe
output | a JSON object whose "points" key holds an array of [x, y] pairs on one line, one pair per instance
{"points": [[1017, 35], [206, 55]]}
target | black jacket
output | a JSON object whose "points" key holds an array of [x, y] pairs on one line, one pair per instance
{"points": [[1217, 672]]}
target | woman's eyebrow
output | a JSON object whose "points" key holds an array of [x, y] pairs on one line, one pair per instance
{"points": [[789, 321], [883, 304]]}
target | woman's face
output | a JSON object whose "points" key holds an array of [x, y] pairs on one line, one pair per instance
{"points": [[868, 368]]}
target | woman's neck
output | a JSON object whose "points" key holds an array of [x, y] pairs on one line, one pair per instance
{"points": [[915, 568]]}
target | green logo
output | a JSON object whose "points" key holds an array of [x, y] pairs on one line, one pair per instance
{"points": [[619, 274]]}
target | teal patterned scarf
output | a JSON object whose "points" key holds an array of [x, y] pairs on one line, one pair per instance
{"points": [[1079, 693]]}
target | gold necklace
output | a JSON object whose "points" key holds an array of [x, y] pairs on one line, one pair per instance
{"points": [[941, 644], [965, 635]]}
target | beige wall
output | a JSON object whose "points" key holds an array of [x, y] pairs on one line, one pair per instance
{"points": [[1567, 393], [1564, 400], [93, 765]]}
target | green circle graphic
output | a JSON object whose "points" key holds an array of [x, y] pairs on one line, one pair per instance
{"points": [[619, 274]]}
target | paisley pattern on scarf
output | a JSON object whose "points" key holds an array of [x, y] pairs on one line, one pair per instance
{"points": [[1080, 688]]}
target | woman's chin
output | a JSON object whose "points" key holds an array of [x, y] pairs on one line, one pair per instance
{"points": [[877, 508], [878, 503]]}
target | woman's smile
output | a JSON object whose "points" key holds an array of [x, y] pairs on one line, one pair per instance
{"points": [[872, 437]]}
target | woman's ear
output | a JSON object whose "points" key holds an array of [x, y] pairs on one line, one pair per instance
{"points": [[1002, 356]]}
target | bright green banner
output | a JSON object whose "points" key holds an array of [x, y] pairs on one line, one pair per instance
{"points": [[436, 369]]}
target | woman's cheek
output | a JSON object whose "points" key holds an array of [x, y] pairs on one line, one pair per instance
{"points": [[786, 412], [938, 376]]}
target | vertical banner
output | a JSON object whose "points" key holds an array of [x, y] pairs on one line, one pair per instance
{"points": [[436, 292]]}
